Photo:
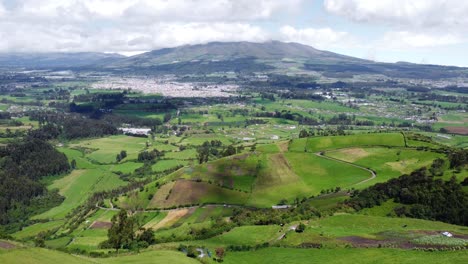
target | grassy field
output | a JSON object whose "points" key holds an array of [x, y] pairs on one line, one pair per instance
{"points": [[246, 235], [77, 186], [316, 144], [331, 230], [320, 173], [163, 165], [105, 150], [40, 256], [45, 256], [384, 256], [33, 230], [386, 162]]}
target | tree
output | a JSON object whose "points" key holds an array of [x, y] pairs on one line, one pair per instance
{"points": [[253, 147], [303, 134], [220, 252], [437, 167], [203, 152], [122, 155], [73, 164], [147, 235], [40, 239], [300, 228], [167, 117], [229, 151], [121, 232]]}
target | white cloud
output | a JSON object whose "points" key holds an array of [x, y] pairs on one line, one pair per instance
{"points": [[406, 39], [72, 38], [322, 38], [132, 25], [403, 13], [158, 10]]}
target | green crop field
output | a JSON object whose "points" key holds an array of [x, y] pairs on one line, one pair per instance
{"points": [[45, 256], [33, 230], [163, 165], [246, 235], [105, 150], [316, 144], [319, 173], [386, 162], [77, 186], [384, 256]]}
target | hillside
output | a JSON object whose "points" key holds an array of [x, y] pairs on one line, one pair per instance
{"points": [[228, 51], [269, 56], [221, 57], [55, 59]]}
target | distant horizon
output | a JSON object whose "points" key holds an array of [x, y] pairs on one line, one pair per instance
{"points": [[424, 32], [135, 53]]}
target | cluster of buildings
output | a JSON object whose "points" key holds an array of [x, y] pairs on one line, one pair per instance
{"points": [[167, 87]]}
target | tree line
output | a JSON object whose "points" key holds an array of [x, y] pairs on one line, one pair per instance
{"points": [[22, 165], [420, 195]]}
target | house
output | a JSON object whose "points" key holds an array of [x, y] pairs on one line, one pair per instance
{"points": [[136, 131], [281, 206], [447, 234]]}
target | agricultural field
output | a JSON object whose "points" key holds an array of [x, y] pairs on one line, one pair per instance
{"points": [[289, 255], [269, 174], [104, 150], [386, 162]]}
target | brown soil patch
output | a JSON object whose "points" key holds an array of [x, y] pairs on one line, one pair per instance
{"points": [[240, 157], [101, 225], [283, 146], [457, 130], [362, 242], [280, 171], [187, 192], [6, 245], [354, 154], [161, 194], [171, 218]]}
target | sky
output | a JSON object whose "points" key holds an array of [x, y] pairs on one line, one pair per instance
{"points": [[419, 31]]}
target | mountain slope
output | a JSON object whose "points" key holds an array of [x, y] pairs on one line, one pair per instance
{"points": [[228, 51], [56, 59], [276, 56]]}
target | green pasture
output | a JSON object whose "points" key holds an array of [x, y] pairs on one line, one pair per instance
{"points": [[349, 255], [77, 187], [105, 149], [386, 162], [33, 230], [315, 144]]}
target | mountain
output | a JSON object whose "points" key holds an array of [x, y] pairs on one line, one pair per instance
{"points": [[229, 51], [276, 56], [243, 57], [56, 59]]}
